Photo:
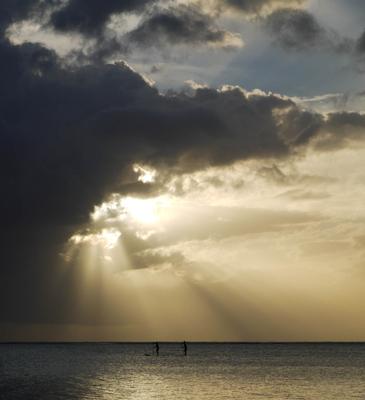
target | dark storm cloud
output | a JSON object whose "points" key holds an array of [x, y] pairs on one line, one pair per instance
{"points": [[299, 30], [295, 29], [89, 17], [47, 166], [360, 44], [178, 25], [190, 132], [78, 130], [359, 54], [161, 28], [68, 137], [340, 120], [340, 130]]}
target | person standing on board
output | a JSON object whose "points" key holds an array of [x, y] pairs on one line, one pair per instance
{"points": [[157, 348], [185, 348]]}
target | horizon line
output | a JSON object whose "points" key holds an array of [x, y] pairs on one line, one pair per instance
{"points": [[179, 341]]}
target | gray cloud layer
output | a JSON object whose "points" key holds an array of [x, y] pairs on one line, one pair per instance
{"points": [[291, 27]]}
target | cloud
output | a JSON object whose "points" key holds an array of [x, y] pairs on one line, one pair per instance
{"points": [[358, 56], [295, 29], [359, 53], [198, 224], [160, 29], [156, 259], [181, 25], [12, 11], [82, 129], [258, 6], [70, 136], [326, 247], [90, 17], [360, 45], [300, 30], [298, 194], [341, 130], [219, 223]]}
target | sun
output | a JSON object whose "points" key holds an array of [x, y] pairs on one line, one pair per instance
{"points": [[132, 210], [120, 214], [106, 238], [144, 211]]}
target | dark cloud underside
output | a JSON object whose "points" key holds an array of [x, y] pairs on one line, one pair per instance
{"points": [[90, 16], [360, 44], [299, 30], [80, 128], [181, 25], [295, 29]]}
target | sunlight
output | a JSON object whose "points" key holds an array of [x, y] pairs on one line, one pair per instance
{"points": [[107, 238], [109, 219], [143, 211], [145, 175]]}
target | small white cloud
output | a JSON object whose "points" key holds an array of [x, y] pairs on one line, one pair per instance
{"points": [[145, 174]]}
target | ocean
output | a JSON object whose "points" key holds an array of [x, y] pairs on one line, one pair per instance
{"points": [[209, 371]]}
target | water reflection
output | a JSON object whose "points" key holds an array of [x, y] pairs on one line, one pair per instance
{"points": [[210, 371]]}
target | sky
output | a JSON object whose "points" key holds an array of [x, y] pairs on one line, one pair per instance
{"points": [[182, 170]]}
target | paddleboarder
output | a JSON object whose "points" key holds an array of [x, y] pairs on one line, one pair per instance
{"points": [[185, 348], [157, 348]]}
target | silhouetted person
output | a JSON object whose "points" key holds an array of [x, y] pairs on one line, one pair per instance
{"points": [[157, 348], [185, 348]]}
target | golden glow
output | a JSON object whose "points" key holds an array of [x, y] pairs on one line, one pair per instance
{"points": [[107, 238], [146, 175], [143, 211], [231, 245]]}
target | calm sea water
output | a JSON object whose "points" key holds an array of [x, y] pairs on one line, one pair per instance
{"points": [[210, 371]]}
